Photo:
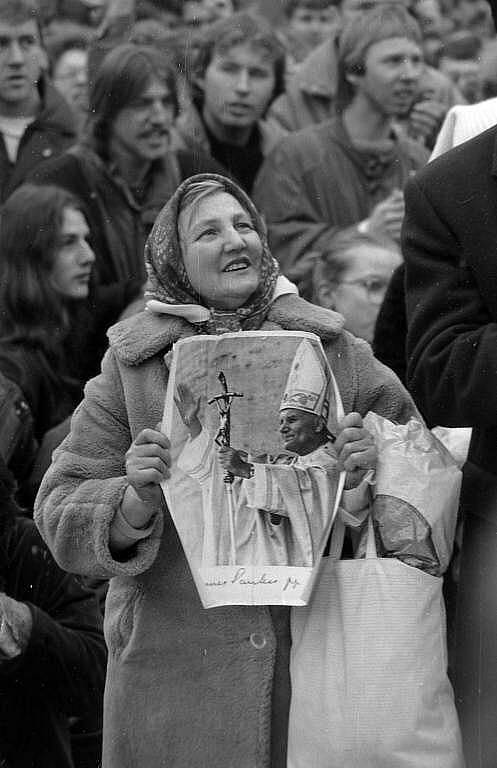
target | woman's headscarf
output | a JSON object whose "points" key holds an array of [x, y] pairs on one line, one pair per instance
{"points": [[167, 278]]}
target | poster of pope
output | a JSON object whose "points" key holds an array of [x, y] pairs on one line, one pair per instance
{"points": [[254, 482]]}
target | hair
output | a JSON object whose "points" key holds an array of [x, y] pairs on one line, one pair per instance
{"points": [[239, 29], [333, 261], [383, 22], [122, 77], [21, 11], [315, 5], [30, 225]]}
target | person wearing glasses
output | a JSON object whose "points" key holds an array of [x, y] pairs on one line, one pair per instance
{"points": [[352, 276]]}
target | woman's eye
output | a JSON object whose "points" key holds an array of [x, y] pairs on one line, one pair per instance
{"points": [[207, 232], [244, 225]]}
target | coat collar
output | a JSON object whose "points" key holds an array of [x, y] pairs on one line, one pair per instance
{"points": [[144, 335], [318, 73]]}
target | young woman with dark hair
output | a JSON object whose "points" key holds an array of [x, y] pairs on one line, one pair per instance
{"points": [[45, 270]]}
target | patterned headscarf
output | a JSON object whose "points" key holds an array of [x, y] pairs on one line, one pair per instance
{"points": [[167, 278]]}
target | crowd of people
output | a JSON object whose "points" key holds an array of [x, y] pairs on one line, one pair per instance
{"points": [[321, 135]]}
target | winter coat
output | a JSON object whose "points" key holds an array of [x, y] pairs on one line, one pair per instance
{"points": [[310, 94], [60, 675], [186, 686], [52, 132], [316, 182], [449, 242]]}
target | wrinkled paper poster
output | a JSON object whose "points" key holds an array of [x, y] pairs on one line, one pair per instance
{"points": [[256, 540]]}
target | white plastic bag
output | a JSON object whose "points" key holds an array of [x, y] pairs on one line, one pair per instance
{"points": [[368, 669]]}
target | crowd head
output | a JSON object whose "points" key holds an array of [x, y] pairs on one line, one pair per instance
{"points": [[133, 103], [21, 55], [380, 56], [239, 70], [352, 277], [46, 261]]}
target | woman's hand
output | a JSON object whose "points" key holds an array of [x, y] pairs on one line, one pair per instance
{"points": [[232, 461], [147, 465], [188, 407], [356, 449]]}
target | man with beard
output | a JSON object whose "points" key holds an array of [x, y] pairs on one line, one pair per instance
{"points": [[123, 171], [348, 171]]}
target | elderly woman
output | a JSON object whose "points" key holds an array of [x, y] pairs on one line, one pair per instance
{"points": [[188, 686]]}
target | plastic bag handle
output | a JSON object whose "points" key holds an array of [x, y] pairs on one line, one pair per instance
{"points": [[371, 553], [343, 474]]}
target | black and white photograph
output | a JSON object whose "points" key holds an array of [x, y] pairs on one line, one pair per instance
{"points": [[248, 367]]}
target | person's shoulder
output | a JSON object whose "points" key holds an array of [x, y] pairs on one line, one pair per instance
{"points": [[473, 159], [144, 335], [306, 146], [57, 170], [56, 113]]}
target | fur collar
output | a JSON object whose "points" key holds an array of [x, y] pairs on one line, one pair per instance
{"points": [[144, 335]]}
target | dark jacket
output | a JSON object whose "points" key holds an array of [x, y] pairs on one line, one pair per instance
{"points": [[50, 391], [241, 163], [52, 132], [60, 675], [449, 237], [119, 223], [449, 240], [316, 182], [390, 333]]}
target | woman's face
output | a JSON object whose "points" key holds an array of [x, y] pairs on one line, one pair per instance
{"points": [[221, 250], [74, 258], [359, 292]]}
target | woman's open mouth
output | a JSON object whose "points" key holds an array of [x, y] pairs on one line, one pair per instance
{"points": [[237, 266]]}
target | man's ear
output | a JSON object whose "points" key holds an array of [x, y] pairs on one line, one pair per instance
{"points": [[325, 294]]}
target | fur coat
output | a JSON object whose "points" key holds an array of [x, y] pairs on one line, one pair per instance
{"points": [[185, 686]]}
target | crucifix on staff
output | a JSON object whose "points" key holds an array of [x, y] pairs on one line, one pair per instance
{"points": [[223, 402]]}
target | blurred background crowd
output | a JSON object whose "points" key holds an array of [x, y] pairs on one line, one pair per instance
{"points": [[319, 109]]}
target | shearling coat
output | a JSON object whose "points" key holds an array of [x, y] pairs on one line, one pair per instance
{"points": [[186, 686]]}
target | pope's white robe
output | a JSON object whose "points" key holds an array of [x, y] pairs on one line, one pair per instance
{"points": [[279, 514]]}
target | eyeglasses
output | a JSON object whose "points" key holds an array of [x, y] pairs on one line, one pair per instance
{"points": [[374, 287]]}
